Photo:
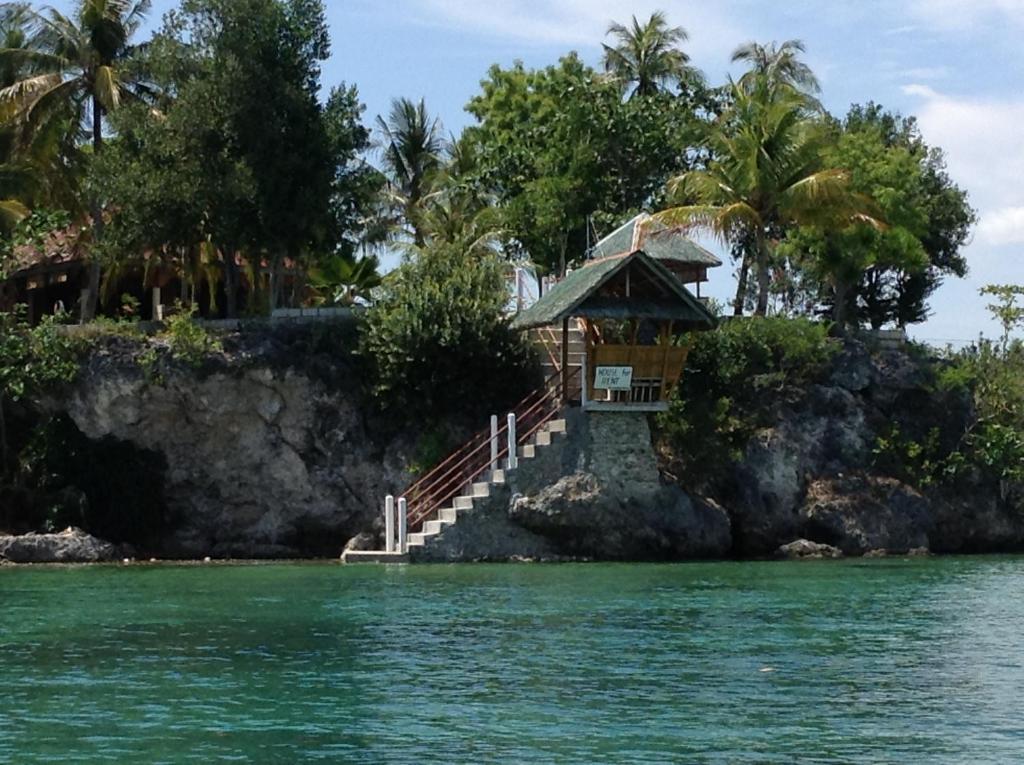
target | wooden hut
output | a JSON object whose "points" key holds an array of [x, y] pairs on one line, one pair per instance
{"points": [[630, 308]]}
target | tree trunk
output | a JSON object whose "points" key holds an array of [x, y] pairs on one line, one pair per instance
{"points": [[3, 441], [741, 287], [840, 295], [230, 282], [763, 277], [92, 296]]}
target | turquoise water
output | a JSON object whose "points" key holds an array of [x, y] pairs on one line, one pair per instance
{"points": [[882, 661]]}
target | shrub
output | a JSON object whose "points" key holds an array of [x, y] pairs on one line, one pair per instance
{"points": [[721, 399], [189, 342], [438, 341], [31, 360]]}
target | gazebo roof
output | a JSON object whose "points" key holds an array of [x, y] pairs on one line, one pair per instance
{"points": [[656, 239], [591, 292]]}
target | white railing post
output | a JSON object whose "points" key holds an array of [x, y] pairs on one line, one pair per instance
{"points": [[403, 511], [513, 452], [584, 382], [494, 442], [389, 524]]}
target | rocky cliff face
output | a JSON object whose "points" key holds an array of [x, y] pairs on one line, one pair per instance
{"points": [[268, 452], [262, 460], [813, 475]]}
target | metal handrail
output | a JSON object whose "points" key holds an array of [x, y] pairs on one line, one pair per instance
{"points": [[483, 434], [424, 499]]}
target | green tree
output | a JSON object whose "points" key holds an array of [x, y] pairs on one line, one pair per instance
{"points": [[80, 64], [878, 276], [413, 153], [244, 162], [445, 305], [768, 174], [647, 55], [778, 66], [344, 281], [563, 154]]}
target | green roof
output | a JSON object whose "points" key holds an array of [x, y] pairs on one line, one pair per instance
{"points": [[576, 296], [657, 240]]}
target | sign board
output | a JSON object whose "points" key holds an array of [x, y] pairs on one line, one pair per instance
{"points": [[613, 378]]}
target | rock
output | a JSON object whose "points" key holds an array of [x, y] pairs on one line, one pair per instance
{"points": [[261, 461], [365, 540], [69, 546], [583, 519], [852, 368], [824, 431], [976, 521], [862, 513], [801, 549]]}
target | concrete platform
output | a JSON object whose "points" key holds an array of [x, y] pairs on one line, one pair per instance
{"points": [[373, 556]]}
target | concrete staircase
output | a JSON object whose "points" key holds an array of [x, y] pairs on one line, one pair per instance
{"points": [[449, 516]]}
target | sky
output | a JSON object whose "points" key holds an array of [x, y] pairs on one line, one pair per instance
{"points": [[956, 64]]}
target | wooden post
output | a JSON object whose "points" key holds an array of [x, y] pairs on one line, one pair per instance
{"points": [[494, 442], [403, 510], [565, 360], [389, 523], [513, 451]]}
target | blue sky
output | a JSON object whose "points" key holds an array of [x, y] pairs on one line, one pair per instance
{"points": [[956, 64]]}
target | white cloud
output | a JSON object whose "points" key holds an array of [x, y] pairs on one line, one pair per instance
{"points": [[960, 14], [981, 138], [1004, 226], [583, 23]]}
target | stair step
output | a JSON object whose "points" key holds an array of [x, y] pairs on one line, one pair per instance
{"points": [[416, 540], [543, 438], [480, 490], [435, 527], [497, 476], [556, 426], [463, 503], [448, 514], [527, 452]]}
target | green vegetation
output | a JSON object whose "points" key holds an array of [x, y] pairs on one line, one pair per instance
{"points": [[990, 374], [734, 379], [32, 359], [438, 341]]}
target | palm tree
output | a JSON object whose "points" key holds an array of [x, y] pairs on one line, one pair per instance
{"points": [[648, 55], [75, 64], [778, 65], [767, 175], [413, 151], [342, 281]]}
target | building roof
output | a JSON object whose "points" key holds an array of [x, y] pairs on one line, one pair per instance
{"points": [[579, 294], [656, 239]]}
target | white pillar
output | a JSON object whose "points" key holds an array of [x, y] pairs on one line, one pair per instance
{"points": [[403, 511], [513, 455], [494, 442], [157, 313], [389, 524]]}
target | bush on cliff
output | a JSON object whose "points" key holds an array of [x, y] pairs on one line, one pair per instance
{"points": [[733, 377], [31, 360], [438, 339]]}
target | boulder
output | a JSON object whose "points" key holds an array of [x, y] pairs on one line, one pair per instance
{"points": [[803, 549], [583, 518], [69, 546], [860, 513]]}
